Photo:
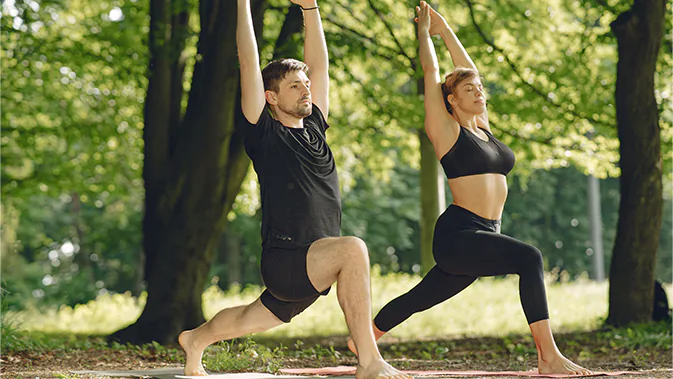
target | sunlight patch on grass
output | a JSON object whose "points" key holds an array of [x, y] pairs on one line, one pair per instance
{"points": [[489, 307], [105, 315]]}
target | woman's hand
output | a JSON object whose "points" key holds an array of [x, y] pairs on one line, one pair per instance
{"points": [[437, 22], [423, 17]]}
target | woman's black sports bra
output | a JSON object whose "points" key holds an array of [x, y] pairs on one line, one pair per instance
{"points": [[471, 155]]}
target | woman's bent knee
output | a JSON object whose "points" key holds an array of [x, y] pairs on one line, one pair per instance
{"points": [[532, 258]]}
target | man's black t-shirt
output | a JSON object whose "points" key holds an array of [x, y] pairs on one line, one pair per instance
{"points": [[301, 202]]}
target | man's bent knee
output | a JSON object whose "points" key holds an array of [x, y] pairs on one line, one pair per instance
{"points": [[355, 245]]}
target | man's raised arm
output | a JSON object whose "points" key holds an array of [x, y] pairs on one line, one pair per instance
{"points": [[315, 54], [252, 87]]}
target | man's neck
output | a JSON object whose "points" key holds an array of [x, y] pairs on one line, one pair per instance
{"points": [[287, 119]]}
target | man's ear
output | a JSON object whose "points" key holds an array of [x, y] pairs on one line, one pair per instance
{"points": [[271, 97]]}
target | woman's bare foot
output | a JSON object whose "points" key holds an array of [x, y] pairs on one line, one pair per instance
{"points": [[379, 369], [560, 365], [377, 336], [193, 365]]}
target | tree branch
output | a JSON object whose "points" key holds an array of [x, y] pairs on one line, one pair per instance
{"points": [[293, 24], [517, 72], [390, 30], [366, 91], [605, 5], [364, 37]]}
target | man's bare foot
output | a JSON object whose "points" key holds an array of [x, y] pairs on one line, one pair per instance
{"points": [[560, 365], [193, 365], [377, 336], [379, 369]]}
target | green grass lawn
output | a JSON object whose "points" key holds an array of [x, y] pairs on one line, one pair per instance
{"points": [[490, 307], [483, 327]]}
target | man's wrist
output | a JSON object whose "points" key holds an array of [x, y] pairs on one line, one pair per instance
{"points": [[309, 6]]}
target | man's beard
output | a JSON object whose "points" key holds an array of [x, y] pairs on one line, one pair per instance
{"points": [[300, 111]]}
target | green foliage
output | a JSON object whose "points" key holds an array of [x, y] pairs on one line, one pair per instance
{"points": [[11, 338], [67, 376], [76, 123], [316, 352], [70, 258], [385, 214], [242, 356], [73, 75], [633, 337], [74, 78]]}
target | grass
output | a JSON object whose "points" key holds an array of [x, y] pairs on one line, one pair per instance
{"points": [[41, 354], [243, 355], [490, 307]]}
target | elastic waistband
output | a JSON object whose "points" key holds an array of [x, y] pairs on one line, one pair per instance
{"points": [[462, 217]]}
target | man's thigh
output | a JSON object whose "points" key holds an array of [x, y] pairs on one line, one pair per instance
{"points": [[327, 256], [284, 310], [285, 274]]}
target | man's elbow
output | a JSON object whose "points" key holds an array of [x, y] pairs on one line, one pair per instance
{"points": [[430, 69], [246, 62]]}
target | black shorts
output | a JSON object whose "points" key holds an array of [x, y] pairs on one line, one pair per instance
{"points": [[288, 288]]}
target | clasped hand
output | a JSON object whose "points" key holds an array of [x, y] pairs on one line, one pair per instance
{"points": [[429, 19]]}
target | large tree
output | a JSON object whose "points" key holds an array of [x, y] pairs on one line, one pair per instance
{"points": [[639, 33], [194, 161]]}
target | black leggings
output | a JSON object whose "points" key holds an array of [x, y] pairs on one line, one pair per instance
{"points": [[467, 246]]}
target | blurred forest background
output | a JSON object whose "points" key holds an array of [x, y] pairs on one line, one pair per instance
{"points": [[75, 81]]}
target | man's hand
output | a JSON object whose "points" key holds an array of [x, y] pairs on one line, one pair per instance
{"points": [[306, 3], [437, 22]]}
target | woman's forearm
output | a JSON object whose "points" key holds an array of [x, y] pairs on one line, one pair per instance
{"points": [[427, 53], [459, 56]]}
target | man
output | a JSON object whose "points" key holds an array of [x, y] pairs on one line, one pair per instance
{"points": [[287, 106]]}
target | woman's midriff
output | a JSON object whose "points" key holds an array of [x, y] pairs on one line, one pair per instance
{"points": [[484, 194]]}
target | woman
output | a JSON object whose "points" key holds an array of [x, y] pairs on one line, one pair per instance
{"points": [[467, 243]]}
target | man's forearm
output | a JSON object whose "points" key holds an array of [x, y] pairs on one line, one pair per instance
{"points": [[315, 46], [252, 86], [245, 36]]}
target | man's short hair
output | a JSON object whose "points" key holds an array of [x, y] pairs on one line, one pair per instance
{"points": [[276, 71]]}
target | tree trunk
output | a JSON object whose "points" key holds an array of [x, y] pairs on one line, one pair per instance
{"points": [[231, 255], [193, 167], [432, 199], [639, 33]]}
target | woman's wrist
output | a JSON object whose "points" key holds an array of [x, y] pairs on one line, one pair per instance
{"points": [[445, 30]]}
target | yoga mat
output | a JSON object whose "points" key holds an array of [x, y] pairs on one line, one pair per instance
{"points": [[172, 373], [350, 370]]}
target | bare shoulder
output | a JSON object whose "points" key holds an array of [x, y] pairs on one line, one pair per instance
{"points": [[443, 133]]}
